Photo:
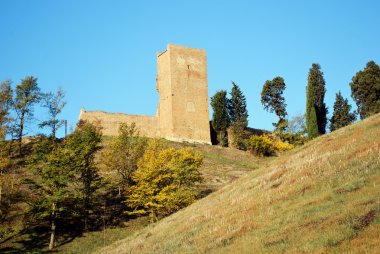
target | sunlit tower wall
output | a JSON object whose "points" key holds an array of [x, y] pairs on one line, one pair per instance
{"points": [[183, 109]]}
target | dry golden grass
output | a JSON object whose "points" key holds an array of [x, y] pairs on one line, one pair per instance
{"points": [[323, 197]]}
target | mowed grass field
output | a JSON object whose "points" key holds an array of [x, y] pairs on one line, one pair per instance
{"points": [[322, 197]]}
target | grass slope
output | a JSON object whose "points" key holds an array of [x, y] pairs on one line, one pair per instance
{"points": [[221, 166], [322, 197]]}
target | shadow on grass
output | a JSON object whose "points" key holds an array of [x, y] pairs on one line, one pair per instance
{"points": [[35, 239]]}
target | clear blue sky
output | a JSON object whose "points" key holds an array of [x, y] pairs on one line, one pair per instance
{"points": [[103, 53]]}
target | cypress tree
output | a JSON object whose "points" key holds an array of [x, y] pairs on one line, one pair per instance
{"points": [[220, 118], [237, 106], [312, 130], [342, 115], [237, 110], [315, 93], [365, 90]]}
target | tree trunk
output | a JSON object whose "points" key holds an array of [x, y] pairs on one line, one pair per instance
{"points": [[10, 145], [52, 235], [20, 132], [1, 186]]}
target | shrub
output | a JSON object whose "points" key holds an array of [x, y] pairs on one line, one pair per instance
{"points": [[165, 180], [266, 146], [261, 145], [296, 139], [282, 146]]}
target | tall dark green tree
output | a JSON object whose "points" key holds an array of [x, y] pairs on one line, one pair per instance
{"points": [[341, 115], [365, 90], [220, 118], [84, 144], [53, 184], [273, 101], [237, 106], [238, 113], [315, 95], [27, 94]]}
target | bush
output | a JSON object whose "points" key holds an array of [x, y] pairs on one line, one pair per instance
{"points": [[282, 146], [296, 139], [165, 180], [266, 146], [261, 145]]}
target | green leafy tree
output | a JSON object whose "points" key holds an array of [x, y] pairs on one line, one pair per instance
{"points": [[365, 90], [52, 184], [83, 145], [297, 125], [6, 101], [220, 118], [341, 115], [7, 185], [315, 94], [238, 115], [124, 152], [273, 101], [165, 180], [54, 104], [27, 94]]}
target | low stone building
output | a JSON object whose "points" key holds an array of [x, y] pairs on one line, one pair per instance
{"points": [[183, 108]]}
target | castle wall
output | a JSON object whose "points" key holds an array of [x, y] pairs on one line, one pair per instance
{"points": [[110, 122], [165, 106], [183, 109], [189, 94]]}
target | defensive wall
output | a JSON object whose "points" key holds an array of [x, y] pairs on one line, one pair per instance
{"points": [[183, 108]]}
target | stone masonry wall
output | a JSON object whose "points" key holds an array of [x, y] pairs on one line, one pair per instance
{"points": [[183, 109], [110, 122]]}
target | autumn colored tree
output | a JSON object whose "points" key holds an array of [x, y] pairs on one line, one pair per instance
{"points": [[165, 180], [365, 90], [123, 154], [6, 101], [341, 116]]}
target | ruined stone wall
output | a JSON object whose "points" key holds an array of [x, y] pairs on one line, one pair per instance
{"points": [[183, 109], [110, 122]]}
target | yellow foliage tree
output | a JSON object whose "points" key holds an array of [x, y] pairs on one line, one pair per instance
{"points": [[165, 180], [124, 152]]}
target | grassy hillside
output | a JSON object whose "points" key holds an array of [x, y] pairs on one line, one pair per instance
{"points": [[221, 166], [322, 197]]}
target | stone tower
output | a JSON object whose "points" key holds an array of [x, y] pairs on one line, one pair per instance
{"points": [[183, 110]]}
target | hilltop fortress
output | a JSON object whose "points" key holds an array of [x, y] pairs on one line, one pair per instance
{"points": [[183, 108]]}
